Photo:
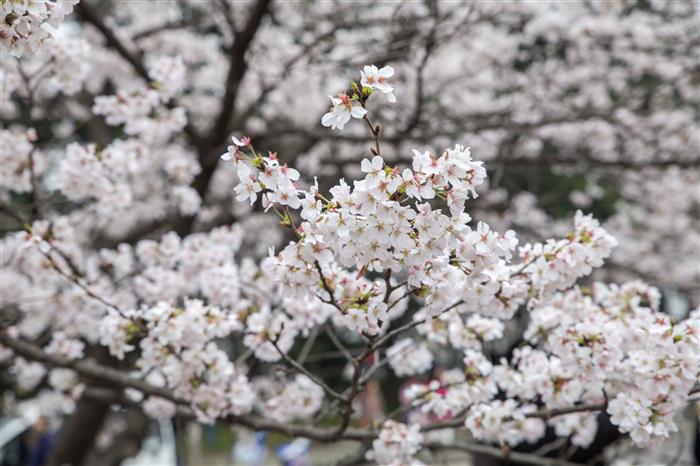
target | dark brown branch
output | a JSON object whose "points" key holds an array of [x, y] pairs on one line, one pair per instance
{"points": [[116, 377], [37, 210], [12, 213], [160, 28], [86, 368], [79, 432], [458, 421], [375, 130], [89, 15], [237, 69], [495, 452], [212, 145]]}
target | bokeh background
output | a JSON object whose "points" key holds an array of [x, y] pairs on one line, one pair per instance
{"points": [[589, 105]]}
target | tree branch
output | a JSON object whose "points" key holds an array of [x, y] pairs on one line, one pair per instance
{"points": [[381, 341], [91, 369], [304, 371], [330, 331], [495, 452], [210, 148], [89, 15], [327, 288], [86, 368], [237, 69]]}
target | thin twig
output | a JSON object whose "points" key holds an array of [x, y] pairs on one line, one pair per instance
{"points": [[304, 371], [76, 281], [495, 452], [381, 341], [330, 331], [306, 349], [327, 288], [89, 368], [375, 133]]}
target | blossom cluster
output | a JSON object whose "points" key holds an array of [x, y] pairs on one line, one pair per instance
{"points": [[307, 396], [347, 107], [146, 109], [135, 110], [101, 169], [186, 312], [505, 422], [382, 223], [607, 343], [555, 265], [26, 24], [177, 351], [457, 389], [348, 229], [69, 66], [20, 160], [61, 70], [407, 357], [610, 342], [106, 177], [396, 444]]}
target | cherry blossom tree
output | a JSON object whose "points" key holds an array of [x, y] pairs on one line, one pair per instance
{"points": [[190, 222]]}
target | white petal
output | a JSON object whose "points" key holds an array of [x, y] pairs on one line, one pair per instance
{"points": [[386, 72], [357, 111], [327, 119], [342, 118]]}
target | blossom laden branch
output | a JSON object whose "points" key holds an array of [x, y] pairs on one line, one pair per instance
{"points": [[404, 219]]}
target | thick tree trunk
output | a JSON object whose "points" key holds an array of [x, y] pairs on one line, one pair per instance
{"points": [[125, 444], [78, 433]]}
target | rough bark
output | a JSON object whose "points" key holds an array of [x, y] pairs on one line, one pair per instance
{"points": [[125, 444], [79, 430], [78, 433]]}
